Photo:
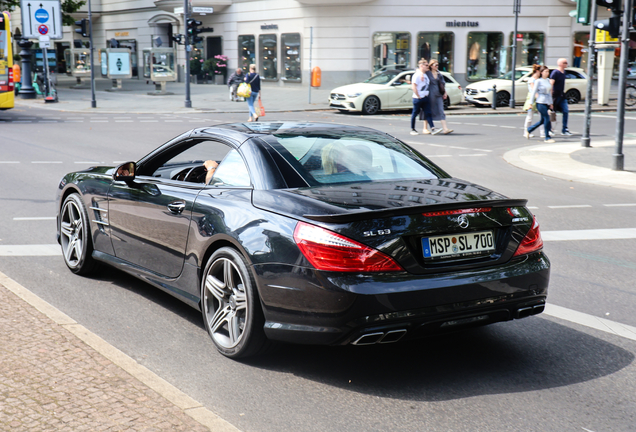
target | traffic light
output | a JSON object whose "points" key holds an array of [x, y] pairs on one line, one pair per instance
{"points": [[583, 12], [193, 31], [83, 27], [611, 25], [178, 38]]}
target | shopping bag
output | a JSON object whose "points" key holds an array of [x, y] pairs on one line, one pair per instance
{"points": [[260, 110], [244, 90], [552, 117]]}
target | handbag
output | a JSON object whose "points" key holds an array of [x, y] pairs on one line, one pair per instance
{"points": [[552, 116], [441, 84], [260, 110], [244, 90]]}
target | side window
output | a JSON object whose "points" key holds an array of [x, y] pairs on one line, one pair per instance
{"points": [[572, 75], [186, 162], [231, 172], [447, 80]]}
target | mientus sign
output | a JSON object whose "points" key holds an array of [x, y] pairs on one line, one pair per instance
{"points": [[456, 23]]}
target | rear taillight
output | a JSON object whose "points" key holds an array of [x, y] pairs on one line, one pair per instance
{"points": [[532, 242], [329, 251], [11, 79]]}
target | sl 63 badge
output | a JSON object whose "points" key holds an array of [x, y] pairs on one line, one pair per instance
{"points": [[376, 233]]}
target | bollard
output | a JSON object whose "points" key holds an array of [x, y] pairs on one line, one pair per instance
{"points": [[494, 96]]}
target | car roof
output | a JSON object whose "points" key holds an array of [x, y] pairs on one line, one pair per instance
{"points": [[243, 131]]}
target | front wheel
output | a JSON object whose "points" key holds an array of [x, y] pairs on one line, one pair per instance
{"points": [[503, 99], [573, 97], [630, 95], [75, 236], [371, 105], [229, 303], [447, 103]]}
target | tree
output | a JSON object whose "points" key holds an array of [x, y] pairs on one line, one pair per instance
{"points": [[68, 7]]}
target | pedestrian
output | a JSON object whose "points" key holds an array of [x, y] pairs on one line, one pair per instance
{"points": [[420, 85], [437, 89], [542, 90], [528, 106], [233, 82], [254, 81], [557, 79]]}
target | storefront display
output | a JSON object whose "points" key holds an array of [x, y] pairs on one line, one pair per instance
{"points": [[439, 46], [268, 50], [390, 48], [291, 44], [159, 64], [484, 55]]}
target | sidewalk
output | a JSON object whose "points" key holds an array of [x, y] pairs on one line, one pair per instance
{"points": [[55, 375], [210, 98]]}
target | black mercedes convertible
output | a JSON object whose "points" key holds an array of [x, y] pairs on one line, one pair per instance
{"points": [[307, 233]]}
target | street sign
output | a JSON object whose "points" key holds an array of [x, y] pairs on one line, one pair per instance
{"points": [[45, 42], [41, 18]]}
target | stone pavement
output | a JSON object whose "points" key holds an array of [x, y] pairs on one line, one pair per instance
{"points": [[55, 375]]}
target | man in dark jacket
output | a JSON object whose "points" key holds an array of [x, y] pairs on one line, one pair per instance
{"points": [[233, 82]]}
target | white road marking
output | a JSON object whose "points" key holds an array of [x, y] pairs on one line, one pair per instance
{"points": [[489, 125], [475, 154], [46, 162], [472, 124], [148, 121], [602, 324], [124, 121], [437, 145], [570, 206], [620, 205], [509, 127], [461, 148], [88, 162], [31, 250], [434, 156], [34, 218], [73, 121], [591, 234], [483, 150], [9, 162], [612, 117], [173, 121]]}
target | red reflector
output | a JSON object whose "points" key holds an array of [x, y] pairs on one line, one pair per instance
{"points": [[329, 251], [11, 78], [458, 211], [532, 242], [4, 88]]}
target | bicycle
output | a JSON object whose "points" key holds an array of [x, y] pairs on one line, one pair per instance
{"points": [[630, 95]]}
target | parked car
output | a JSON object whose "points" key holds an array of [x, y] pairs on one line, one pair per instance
{"points": [[389, 90], [480, 93], [307, 233]]}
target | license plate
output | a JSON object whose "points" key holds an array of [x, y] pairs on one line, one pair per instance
{"points": [[469, 97], [458, 244]]}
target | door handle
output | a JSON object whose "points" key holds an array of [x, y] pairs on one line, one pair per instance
{"points": [[176, 207]]}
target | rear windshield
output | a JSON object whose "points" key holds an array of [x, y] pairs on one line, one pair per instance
{"points": [[352, 158]]}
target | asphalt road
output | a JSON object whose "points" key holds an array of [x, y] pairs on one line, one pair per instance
{"points": [[538, 374]]}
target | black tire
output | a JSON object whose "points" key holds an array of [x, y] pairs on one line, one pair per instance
{"points": [[75, 236], [630, 95], [447, 103], [371, 105], [231, 309], [573, 96], [503, 99]]}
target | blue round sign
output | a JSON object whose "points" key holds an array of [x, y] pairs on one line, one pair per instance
{"points": [[41, 15]]}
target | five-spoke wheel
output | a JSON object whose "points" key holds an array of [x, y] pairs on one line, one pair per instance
{"points": [[371, 105], [75, 235], [231, 312]]}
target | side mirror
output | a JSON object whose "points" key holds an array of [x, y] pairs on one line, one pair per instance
{"points": [[525, 80], [125, 171]]}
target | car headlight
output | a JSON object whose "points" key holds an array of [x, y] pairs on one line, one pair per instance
{"points": [[353, 95]]}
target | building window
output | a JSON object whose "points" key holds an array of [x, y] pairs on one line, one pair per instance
{"points": [[436, 46], [530, 49], [484, 55], [391, 49], [291, 56], [247, 51], [268, 49]]}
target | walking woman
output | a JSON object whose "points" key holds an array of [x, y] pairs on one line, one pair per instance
{"points": [[254, 81], [542, 89], [420, 86], [436, 98], [529, 106]]}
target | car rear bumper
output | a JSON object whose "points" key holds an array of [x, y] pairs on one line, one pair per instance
{"points": [[318, 308]]}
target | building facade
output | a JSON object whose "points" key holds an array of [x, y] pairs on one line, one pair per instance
{"points": [[347, 39]]}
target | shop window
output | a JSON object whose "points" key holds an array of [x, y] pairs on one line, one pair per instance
{"points": [[268, 50], [132, 45], [391, 50], [530, 49], [247, 51], [436, 46], [485, 51], [291, 56]]}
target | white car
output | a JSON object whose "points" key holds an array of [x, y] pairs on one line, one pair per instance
{"points": [[389, 90], [480, 93]]}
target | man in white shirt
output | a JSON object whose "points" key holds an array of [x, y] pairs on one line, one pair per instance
{"points": [[420, 83]]}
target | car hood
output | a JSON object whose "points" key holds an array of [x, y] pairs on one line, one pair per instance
{"points": [[358, 88], [342, 203], [500, 83]]}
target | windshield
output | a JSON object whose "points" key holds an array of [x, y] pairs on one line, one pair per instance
{"points": [[518, 74], [384, 77], [352, 157]]}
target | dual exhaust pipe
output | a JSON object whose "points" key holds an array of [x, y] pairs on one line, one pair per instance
{"points": [[380, 337]]}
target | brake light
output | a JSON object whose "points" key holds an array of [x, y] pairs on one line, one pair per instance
{"points": [[329, 251], [458, 211], [532, 242], [10, 78]]}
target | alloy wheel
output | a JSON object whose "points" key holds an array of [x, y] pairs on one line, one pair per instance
{"points": [[72, 234]]}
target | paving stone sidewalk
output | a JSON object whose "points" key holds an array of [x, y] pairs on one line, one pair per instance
{"points": [[50, 380]]}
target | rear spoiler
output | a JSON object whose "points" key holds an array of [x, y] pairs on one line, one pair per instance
{"points": [[400, 211]]}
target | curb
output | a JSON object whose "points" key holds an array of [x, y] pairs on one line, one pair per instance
{"points": [[188, 405]]}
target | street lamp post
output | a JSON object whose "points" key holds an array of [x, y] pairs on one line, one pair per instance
{"points": [[516, 10]]}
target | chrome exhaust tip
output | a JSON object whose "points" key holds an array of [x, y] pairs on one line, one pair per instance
{"points": [[393, 336], [380, 337]]}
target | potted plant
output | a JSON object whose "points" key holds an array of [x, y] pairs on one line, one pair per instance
{"points": [[220, 69]]}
